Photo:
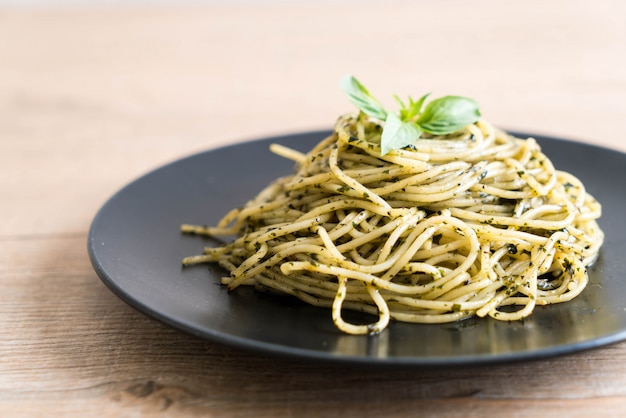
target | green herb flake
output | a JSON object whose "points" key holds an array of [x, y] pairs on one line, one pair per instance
{"points": [[512, 248]]}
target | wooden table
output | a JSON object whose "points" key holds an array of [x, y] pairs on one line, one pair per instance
{"points": [[91, 98]]}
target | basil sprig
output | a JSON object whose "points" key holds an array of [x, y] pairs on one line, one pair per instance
{"points": [[440, 116]]}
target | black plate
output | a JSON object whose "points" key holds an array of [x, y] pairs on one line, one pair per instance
{"points": [[136, 248]]}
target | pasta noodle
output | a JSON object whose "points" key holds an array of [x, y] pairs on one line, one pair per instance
{"points": [[476, 223]]}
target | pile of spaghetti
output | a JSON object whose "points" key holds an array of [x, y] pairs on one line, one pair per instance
{"points": [[476, 223]]}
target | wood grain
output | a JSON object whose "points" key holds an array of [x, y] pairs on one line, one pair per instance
{"points": [[74, 348], [92, 98]]}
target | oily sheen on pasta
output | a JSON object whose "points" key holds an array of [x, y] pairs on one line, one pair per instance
{"points": [[476, 223]]}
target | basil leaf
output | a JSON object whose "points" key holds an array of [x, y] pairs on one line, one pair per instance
{"points": [[414, 108], [448, 114], [361, 98], [403, 106], [439, 117], [398, 134]]}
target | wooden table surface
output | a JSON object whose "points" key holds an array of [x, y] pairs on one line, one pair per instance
{"points": [[93, 97]]}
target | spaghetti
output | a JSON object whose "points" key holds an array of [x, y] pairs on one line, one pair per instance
{"points": [[475, 223]]}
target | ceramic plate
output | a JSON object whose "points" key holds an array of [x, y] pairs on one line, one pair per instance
{"points": [[136, 248]]}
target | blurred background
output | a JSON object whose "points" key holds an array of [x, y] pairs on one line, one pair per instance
{"points": [[151, 81]]}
